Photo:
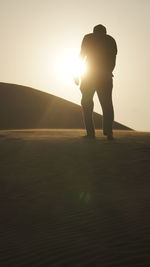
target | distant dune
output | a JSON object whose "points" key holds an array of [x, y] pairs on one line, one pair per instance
{"points": [[25, 108]]}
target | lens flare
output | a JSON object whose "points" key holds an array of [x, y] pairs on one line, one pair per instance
{"points": [[72, 66]]}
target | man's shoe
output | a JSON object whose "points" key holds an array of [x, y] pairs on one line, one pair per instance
{"points": [[110, 136], [89, 137]]}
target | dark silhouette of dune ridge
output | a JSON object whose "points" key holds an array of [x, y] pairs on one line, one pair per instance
{"points": [[23, 107]]}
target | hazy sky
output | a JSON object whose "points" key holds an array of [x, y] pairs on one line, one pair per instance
{"points": [[36, 35]]}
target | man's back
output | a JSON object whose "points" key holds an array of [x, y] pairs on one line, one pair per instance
{"points": [[100, 52]]}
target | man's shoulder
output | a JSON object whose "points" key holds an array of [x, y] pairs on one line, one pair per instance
{"points": [[111, 43], [110, 38], [88, 37]]}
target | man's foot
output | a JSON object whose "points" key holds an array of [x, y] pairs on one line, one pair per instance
{"points": [[110, 136], [89, 137]]}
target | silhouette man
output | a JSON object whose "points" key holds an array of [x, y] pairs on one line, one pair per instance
{"points": [[99, 50]]}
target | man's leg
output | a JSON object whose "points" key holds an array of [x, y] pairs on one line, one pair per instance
{"points": [[87, 105], [105, 98]]}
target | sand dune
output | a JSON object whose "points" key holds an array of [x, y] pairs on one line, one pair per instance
{"points": [[25, 108], [69, 202]]}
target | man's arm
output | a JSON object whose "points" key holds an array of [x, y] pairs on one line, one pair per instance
{"points": [[112, 52], [84, 45], [83, 48], [82, 56]]}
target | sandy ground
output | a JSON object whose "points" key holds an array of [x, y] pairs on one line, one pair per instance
{"points": [[69, 202]]}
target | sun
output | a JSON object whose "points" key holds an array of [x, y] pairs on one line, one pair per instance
{"points": [[71, 66]]}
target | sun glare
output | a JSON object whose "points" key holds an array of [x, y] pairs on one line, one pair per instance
{"points": [[72, 66]]}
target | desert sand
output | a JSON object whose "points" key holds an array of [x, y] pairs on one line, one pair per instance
{"points": [[66, 201]]}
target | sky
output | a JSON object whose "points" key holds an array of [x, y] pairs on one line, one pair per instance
{"points": [[39, 36]]}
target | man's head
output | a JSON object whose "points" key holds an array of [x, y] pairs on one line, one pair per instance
{"points": [[99, 30]]}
